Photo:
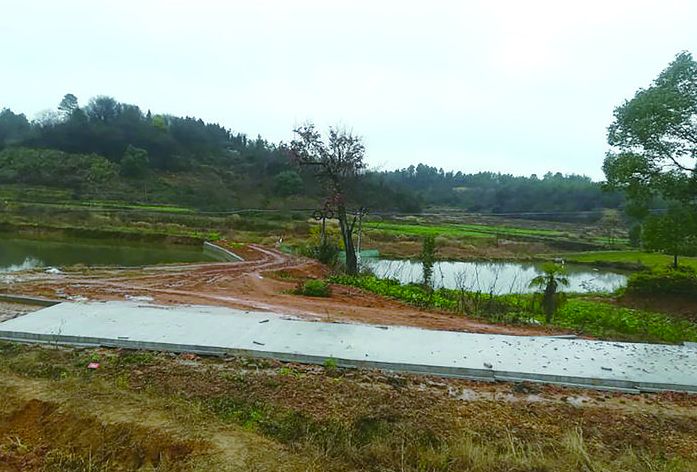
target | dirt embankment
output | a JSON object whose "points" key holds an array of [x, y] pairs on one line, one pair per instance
{"points": [[148, 411], [262, 282]]}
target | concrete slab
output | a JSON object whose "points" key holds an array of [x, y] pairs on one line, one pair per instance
{"points": [[214, 330]]}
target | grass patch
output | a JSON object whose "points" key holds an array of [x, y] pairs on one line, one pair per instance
{"points": [[314, 288]]}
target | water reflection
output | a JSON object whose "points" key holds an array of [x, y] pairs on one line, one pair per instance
{"points": [[495, 277], [18, 254]]}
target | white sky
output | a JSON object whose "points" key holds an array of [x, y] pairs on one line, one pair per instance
{"points": [[513, 86]]}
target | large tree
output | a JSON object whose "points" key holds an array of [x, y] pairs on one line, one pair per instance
{"points": [[335, 162], [654, 137], [673, 233], [68, 105], [654, 154]]}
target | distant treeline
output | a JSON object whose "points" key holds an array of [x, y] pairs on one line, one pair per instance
{"points": [[112, 150], [489, 192]]}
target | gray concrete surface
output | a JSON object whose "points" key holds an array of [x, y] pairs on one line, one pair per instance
{"points": [[214, 330], [224, 254]]}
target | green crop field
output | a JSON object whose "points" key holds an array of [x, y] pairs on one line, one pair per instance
{"points": [[459, 230]]}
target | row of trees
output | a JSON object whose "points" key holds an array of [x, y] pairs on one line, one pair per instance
{"points": [[504, 193]]}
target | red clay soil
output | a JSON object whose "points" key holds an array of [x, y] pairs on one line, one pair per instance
{"points": [[255, 285]]}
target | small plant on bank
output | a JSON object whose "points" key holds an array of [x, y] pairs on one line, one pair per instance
{"points": [[551, 299], [428, 258], [314, 288]]}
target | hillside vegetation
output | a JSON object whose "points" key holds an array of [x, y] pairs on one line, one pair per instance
{"points": [[109, 150]]}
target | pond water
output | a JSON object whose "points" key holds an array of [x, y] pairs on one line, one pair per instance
{"points": [[496, 277], [20, 254]]}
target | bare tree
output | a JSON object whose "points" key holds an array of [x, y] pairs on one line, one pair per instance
{"points": [[335, 161]]}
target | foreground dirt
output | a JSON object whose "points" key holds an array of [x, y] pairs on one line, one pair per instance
{"points": [[72, 428], [145, 411], [262, 282], [12, 310]]}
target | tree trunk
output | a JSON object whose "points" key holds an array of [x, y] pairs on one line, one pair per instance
{"points": [[347, 237], [675, 261]]}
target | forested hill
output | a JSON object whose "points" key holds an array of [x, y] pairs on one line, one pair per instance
{"points": [[490, 192], [116, 151]]}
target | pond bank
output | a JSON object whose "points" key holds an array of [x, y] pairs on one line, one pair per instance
{"points": [[21, 253]]}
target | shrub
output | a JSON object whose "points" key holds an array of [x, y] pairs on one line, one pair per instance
{"points": [[681, 281], [314, 288]]}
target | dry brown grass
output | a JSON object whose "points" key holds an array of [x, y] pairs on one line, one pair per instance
{"points": [[145, 411]]}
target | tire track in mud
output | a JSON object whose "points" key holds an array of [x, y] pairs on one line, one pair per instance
{"points": [[243, 285]]}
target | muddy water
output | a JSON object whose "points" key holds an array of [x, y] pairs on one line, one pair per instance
{"points": [[19, 254], [496, 277]]}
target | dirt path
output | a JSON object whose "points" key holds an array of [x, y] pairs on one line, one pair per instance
{"points": [[255, 284]]}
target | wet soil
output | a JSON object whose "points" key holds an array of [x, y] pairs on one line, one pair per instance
{"points": [[263, 282]]}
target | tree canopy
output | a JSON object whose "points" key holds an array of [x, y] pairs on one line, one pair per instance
{"points": [[654, 155], [335, 162], [654, 137]]}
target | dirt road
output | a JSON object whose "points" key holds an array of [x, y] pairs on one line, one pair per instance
{"points": [[262, 282]]}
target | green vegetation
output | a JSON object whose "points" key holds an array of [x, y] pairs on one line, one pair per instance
{"points": [[653, 140], [625, 259], [457, 230], [336, 163], [551, 298], [583, 316], [428, 258], [314, 288], [552, 197], [673, 233], [654, 156], [607, 321], [680, 282], [135, 157]]}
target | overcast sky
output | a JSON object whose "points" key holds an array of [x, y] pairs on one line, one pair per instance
{"points": [[513, 86]]}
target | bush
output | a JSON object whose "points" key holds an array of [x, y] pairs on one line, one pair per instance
{"points": [[681, 281], [314, 288]]}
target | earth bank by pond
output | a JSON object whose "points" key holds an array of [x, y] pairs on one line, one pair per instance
{"points": [[21, 253], [496, 277]]}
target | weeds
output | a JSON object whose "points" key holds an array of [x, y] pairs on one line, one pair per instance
{"points": [[314, 288], [590, 317]]}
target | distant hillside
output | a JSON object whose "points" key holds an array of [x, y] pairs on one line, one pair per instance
{"points": [[113, 150]]}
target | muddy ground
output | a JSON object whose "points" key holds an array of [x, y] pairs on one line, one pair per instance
{"points": [[154, 411], [264, 281]]}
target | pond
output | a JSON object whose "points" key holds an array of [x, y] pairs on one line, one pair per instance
{"points": [[21, 253], [496, 277]]}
